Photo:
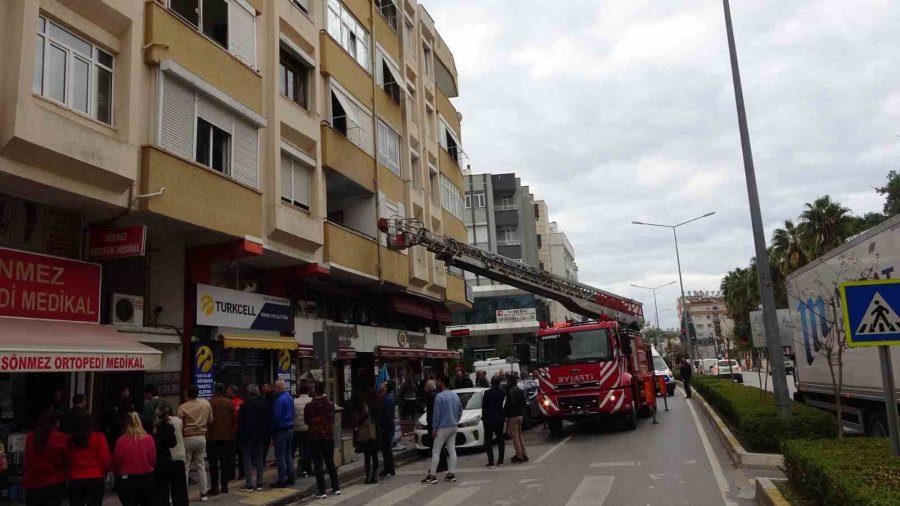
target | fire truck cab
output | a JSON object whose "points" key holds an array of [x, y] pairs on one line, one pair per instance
{"points": [[593, 370]]}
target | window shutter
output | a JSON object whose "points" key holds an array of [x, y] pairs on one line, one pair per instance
{"points": [[176, 129], [242, 36], [301, 183], [286, 186], [214, 113], [245, 144]]}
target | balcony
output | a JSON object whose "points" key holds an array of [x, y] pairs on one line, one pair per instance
{"points": [[197, 195], [450, 168], [456, 291], [346, 158], [506, 207], [395, 267], [337, 63], [351, 250]]}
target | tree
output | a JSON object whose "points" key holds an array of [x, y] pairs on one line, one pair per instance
{"points": [[867, 221], [789, 251], [825, 225], [891, 192]]}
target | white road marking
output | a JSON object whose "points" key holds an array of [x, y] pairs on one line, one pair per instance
{"points": [[629, 463], [551, 450], [453, 496], [529, 480], [397, 495], [504, 469], [468, 483], [592, 491], [349, 493], [713, 460]]}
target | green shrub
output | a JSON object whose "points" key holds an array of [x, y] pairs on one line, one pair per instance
{"points": [[857, 471], [752, 416]]}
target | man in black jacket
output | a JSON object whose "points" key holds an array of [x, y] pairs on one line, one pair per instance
{"points": [[253, 432], [493, 416], [686, 373], [516, 404]]}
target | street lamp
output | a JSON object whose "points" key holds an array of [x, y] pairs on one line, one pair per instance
{"points": [[655, 307], [684, 311]]}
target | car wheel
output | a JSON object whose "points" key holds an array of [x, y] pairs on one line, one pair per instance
{"points": [[630, 419], [555, 425]]}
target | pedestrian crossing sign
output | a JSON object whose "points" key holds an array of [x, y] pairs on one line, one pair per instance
{"points": [[871, 316]]}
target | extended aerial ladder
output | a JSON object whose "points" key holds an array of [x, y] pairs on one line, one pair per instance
{"points": [[403, 233]]}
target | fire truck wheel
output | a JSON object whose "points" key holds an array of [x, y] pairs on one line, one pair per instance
{"points": [[630, 419], [555, 426]]}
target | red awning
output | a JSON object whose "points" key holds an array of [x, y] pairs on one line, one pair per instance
{"points": [[53, 346], [346, 354], [396, 352], [305, 350], [442, 314], [442, 353], [411, 306]]}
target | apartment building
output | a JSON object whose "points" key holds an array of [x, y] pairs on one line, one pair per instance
{"points": [[207, 177], [556, 256], [707, 312]]}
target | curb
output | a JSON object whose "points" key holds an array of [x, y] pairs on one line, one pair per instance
{"points": [[739, 456], [767, 494]]}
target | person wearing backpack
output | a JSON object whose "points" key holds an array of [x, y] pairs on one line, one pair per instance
{"points": [[367, 432]]}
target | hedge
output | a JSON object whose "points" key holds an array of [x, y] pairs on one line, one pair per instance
{"points": [[857, 471], [753, 420]]}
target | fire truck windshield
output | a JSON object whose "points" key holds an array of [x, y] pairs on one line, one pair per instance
{"points": [[575, 347]]}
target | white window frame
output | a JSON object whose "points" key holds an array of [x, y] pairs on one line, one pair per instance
{"points": [[381, 5], [349, 37], [427, 56], [396, 78], [479, 199], [468, 201], [240, 4], [451, 197], [94, 64], [299, 161], [303, 5], [389, 155]]}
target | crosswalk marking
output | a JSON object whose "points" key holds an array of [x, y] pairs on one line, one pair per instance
{"points": [[349, 493], [397, 495], [630, 463], [453, 496], [504, 469], [592, 491]]}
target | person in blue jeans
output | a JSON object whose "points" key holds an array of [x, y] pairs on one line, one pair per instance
{"points": [[283, 434]]}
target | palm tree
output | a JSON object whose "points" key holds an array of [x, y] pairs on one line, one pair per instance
{"points": [[825, 225], [789, 251]]}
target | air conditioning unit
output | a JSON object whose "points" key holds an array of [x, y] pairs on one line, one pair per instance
{"points": [[126, 309]]}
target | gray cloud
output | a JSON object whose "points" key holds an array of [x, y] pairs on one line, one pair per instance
{"points": [[623, 110]]}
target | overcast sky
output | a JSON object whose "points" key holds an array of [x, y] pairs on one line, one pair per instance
{"points": [[623, 110]]}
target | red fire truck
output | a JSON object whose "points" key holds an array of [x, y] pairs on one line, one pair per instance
{"points": [[593, 370]]}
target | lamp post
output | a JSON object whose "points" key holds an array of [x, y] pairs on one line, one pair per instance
{"points": [[655, 307], [767, 294], [684, 311]]}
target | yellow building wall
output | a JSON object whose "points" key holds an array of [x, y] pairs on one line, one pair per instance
{"points": [[337, 63], [341, 155], [350, 250]]}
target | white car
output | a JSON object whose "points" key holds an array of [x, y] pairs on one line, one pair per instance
{"points": [[662, 369], [470, 433], [728, 369]]}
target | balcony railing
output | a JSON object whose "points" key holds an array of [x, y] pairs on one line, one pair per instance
{"points": [[505, 207]]}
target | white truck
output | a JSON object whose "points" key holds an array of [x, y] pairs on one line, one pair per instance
{"points": [[813, 300]]}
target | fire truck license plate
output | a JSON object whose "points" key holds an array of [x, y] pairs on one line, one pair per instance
{"points": [[580, 412]]}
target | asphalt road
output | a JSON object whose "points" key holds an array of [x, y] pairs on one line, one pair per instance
{"points": [[678, 461], [751, 378]]}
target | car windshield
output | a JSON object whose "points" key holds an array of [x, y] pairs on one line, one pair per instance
{"points": [[659, 364], [470, 400], [575, 346]]}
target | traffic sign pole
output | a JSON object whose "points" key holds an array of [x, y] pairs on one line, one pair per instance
{"points": [[890, 397]]}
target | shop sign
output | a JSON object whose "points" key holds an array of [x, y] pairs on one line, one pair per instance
{"points": [[516, 315], [470, 293], [410, 340], [345, 335], [284, 368], [72, 362], [48, 288], [222, 307], [204, 369], [118, 242]]}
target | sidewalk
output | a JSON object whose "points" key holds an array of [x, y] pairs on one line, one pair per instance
{"points": [[282, 496]]}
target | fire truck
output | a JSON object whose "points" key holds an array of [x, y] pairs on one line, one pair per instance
{"points": [[597, 369]]}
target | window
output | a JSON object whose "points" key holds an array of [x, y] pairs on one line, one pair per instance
{"points": [[479, 198], [416, 169], [303, 5], [429, 118], [293, 78], [388, 147], [388, 77], [295, 177], [478, 234], [506, 200], [426, 60], [230, 23], [435, 188], [448, 141], [351, 119], [388, 10], [348, 32], [73, 72], [574, 346], [539, 243], [506, 234], [451, 197], [409, 37], [196, 127], [213, 147], [468, 204]]}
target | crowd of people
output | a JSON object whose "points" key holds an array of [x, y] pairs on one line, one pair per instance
{"points": [[154, 451]]}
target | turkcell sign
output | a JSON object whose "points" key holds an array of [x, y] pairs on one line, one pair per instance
{"points": [[222, 307]]}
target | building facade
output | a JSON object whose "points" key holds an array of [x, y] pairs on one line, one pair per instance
{"points": [[707, 313], [202, 162], [557, 256]]}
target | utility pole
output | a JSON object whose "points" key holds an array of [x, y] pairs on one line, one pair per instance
{"points": [[767, 294]]}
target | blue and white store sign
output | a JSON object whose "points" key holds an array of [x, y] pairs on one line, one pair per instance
{"points": [[223, 307]]}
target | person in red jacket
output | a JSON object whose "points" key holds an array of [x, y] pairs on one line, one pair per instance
{"points": [[133, 463], [89, 461], [44, 469]]}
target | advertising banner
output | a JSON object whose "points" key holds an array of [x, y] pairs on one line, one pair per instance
{"points": [[516, 315], [284, 367], [75, 362], [119, 242], [48, 288], [204, 369], [222, 307]]}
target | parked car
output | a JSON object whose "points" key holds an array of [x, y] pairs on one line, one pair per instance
{"points": [[531, 395], [788, 366], [662, 369], [470, 433], [728, 369]]}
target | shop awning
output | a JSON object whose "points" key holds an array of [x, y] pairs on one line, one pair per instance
{"points": [[259, 341], [346, 354], [442, 314], [51, 346], [397, 352], [306, 350], [418, 307], [442, 353]]}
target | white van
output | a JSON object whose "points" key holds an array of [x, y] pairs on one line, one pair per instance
{"points": [[494, 365], [662, 369]]}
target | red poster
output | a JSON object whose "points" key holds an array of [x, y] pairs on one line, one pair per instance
{"points": [[117, 242], [48, 288]]}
